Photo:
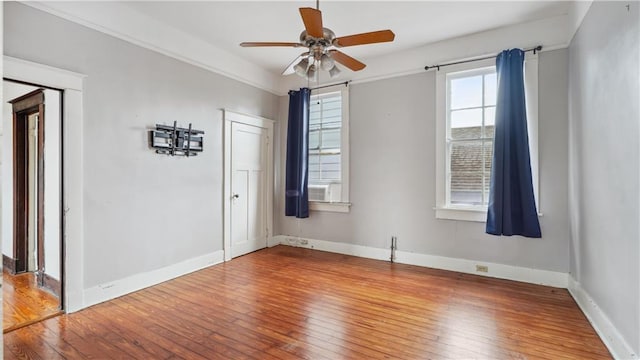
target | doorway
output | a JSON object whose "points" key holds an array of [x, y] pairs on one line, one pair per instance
{"points": [[248, 214], [28, 183], [31, 194]]}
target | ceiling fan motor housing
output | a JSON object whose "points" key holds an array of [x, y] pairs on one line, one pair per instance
{"points": [[318, 46]]}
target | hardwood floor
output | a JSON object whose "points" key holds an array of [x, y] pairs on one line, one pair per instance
{"points": [[24, 302], [292, 303]]}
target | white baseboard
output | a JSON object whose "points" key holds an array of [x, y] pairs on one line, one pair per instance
{"points": [[611, 337], [112, 290], [501, 271], [495, 270]]}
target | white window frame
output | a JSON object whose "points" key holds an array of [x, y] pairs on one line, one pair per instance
{"points": [[444, 209], [342, 206]]}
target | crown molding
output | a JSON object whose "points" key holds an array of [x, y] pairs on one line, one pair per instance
{"points": [[551, 33], [127, 24]]}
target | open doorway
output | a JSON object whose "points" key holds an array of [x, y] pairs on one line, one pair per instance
{"points": [[31, 197]]}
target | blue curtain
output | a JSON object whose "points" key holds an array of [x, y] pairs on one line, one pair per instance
{"points": [[512, 207], [296, 196]]}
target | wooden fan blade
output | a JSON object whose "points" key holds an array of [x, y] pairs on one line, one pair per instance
{"points": [[312, 19], [347, 60], [365, 38], [259, 44], [289, 70]]}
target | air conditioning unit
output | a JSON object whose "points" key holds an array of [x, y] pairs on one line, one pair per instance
{"points": [[318, 192]]}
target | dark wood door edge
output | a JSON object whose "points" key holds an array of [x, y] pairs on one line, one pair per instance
{"points": [[9, 264], [47, 282]]}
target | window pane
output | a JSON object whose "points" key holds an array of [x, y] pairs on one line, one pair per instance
{"points": [[466, 124], [466, 188], [490, 89], [466, 156], [330, 167], [331, 114], [314, 139], [466, 92], [466, 179], [314, 167], [490, 115], [489, 121], [488, 157], [325, 142], [330, 139]]}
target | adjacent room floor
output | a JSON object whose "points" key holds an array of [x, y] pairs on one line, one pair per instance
{"points": [[292, 303], [24, 302]]}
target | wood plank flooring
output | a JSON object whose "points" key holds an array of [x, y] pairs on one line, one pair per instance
{"points": [[293, 303], [24, 302]]}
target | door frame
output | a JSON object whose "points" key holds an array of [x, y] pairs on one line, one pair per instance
{"points": [[71, 207], [267, 124], [23, 107]]}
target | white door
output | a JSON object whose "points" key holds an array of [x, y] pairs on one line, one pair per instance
{"points": [[248, 188]]}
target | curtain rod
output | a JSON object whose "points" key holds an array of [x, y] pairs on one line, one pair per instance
{"points": [[330, 85], [534, 49]]}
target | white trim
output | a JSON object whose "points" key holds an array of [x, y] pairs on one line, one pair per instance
{"points": [[72, 85], [500, 271], [123, 22], [469, 214], [611, 337], [257, 121], [114, 289], [340, 207], [42, 74], [135, 27]]}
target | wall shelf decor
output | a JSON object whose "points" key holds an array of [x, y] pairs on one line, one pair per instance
{"points": [[173, 140]]}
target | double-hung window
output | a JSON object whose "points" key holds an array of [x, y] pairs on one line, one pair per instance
{"points": [[466, 97], [329, 151]]}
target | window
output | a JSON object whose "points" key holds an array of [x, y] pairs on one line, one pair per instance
{"points": [[329, 151], [471, 110], [465, 115]]}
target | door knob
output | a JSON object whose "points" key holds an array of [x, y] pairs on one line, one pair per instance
{"points": [[235, 196]]}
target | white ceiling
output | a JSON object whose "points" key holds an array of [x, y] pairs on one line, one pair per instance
{"points": [[415, 23], [208, 33]]}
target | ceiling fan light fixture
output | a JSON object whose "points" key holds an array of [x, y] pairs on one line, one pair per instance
{"points": [[311, 73], [326, 62], [334, 71], [301, 67]]}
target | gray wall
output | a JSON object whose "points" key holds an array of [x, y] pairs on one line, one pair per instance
{"points": [[393, 181], [604, 171], [143, 211]]}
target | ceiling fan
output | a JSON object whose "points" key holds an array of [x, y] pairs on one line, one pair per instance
{"points": [[322, 45]]}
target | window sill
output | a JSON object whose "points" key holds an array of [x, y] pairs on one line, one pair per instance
{"points": [[462, 213], [341, 207]]}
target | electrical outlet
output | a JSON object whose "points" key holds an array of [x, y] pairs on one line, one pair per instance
{"points": [[304, 242], [482, 268]]}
